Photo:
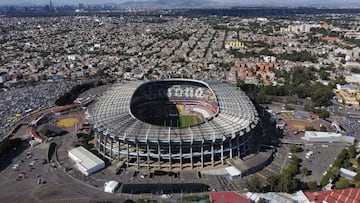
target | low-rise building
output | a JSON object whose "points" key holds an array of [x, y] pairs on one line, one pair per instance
{"points": [[111, 186], [315, 136], [347, 195], [86, 162], [230, 197], [347, 173]]}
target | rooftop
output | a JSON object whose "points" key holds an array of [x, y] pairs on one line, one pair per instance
{"points": [[321, 134], [346, 196], [86, 158], [230, 197]]}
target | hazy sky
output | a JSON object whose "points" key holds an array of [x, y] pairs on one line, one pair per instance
{"points": [[247, 2]]}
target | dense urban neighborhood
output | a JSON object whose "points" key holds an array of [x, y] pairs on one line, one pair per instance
{"points": [[66, 74]]}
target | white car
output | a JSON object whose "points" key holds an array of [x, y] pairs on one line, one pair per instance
{"points": [[166, 196]]}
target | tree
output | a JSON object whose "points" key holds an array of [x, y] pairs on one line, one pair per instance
{"points": [[324, 75], [335, 171], [325, 179], [357, 177], [45, 132], [355, 70], [321, 95], [70, 96], [289, 108], [79, 135], [296, 160], [339, 80], [304, 171], [140, 201], [293, 148], [261, 200], [312, 185], [105, 201], [8, 144], [272, 182], [342, 184], [352, 152], [260, 97], [310, 128], [291, 169], [299, 56], [323, 128], [287, 184], [253, 184], [324, 114], [301, 75]]}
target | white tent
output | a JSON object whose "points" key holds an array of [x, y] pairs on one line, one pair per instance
{"points": [[111, 186]]}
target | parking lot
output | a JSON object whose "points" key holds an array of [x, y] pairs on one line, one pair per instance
{"points": [[27, 170], [29, 177], [323, 155]]}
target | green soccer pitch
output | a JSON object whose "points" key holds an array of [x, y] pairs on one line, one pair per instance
{"points": [[186, 121]]}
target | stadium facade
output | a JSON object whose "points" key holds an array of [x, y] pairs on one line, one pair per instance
{"points": [[174, 124]]}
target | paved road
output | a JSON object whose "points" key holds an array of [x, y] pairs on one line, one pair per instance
{"points": [[59, 186]]}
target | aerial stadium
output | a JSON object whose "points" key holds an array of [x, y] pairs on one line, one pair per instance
{"points": [[174, 124]]}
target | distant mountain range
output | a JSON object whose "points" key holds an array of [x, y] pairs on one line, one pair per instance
{"points": [[230, 3], [191, 3], [168, 4]]}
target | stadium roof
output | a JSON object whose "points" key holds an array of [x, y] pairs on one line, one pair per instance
{"points": [[112, 116]]}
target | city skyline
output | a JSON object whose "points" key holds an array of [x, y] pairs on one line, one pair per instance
{"points": [[179, 100], [226, 2]]}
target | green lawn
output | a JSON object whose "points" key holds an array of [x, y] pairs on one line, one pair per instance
{"points": [[186, 121]]}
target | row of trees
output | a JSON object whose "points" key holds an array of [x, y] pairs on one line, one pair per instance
{"points": [[299, 82], [324, 32], [9, 144], [184, 36], [70, 96], [355, 70], [283, 182], [299, 56], [352, 40], [186, 199], [319, 94], [343, 160], [45, 132]]}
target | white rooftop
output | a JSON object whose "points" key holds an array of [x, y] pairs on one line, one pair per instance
{"points": [[233, 171], [85, 158], [321, 134], [111, 186], [347, 172]]}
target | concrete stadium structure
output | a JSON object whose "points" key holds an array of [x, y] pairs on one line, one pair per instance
{"points": [[138, 123]]}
